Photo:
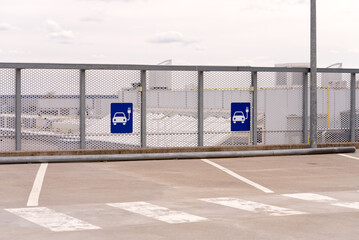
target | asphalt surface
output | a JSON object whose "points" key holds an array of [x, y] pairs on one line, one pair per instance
{"points": [[311, 197]]}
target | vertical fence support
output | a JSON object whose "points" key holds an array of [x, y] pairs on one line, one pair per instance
{"points": [[18, 109], [313, 75], [352, 107], [254, 107], [200, 107], [305, 108], [143, 109], [82, 109]]}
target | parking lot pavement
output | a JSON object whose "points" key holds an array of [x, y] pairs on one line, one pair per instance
{"points": [[289, 197]]}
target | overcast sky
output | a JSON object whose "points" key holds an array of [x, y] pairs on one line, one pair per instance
{"points": [[191, 32]]}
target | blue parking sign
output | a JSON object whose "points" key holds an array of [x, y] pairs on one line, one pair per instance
{"points": [[121, 118], [240, 116]]}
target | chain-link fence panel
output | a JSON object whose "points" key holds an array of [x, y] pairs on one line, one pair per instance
{"points": [[333, 98], [49, 109], [104, 87], [280, 103], [7, 110], [172, 114], [221, 89]]}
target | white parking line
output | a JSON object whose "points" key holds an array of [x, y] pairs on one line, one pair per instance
{"points": [[354, 205], [243, 179], [311, 197], [54, 221], [157, 212], [348, 156], [253, 206], [323, 199], [33, 200]]}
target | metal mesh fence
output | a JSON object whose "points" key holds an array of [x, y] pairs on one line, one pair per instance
{"points": [[333, 99], [52, 118], [7, 109], [49, 109], [104, 87], [220, 90], [280, 103], [172, 114]]}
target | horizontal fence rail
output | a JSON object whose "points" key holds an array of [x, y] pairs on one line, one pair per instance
{"points": [[169, 67], [68, 106]]}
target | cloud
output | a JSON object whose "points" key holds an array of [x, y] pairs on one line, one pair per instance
{"points": [[116, 0], [263, 61], [94, 16], [200, 48], [16, 52], [354, 50], [6, 27], [171, 37], [13, 52], [285, 2], [58, 34], [91, 19], [273, 5], [293, 2], [98, 56]]}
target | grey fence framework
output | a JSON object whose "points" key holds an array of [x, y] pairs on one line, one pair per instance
{"points": [[173, 105]]}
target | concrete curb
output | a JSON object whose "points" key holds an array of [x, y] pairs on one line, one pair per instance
{"points": [[167, 156], [171, 149]]}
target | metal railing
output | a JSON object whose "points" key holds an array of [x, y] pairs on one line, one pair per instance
{"points": [[257, 85]]}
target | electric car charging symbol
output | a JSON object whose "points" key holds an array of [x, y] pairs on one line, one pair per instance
{"points": [[238, 116], [120, 117]]}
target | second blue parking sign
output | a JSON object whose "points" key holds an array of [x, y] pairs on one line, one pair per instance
{"points": [[240, 116], [121, 118]]}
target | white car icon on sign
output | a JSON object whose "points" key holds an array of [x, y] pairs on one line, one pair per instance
{"points": [[119, 117], [238, 116]]}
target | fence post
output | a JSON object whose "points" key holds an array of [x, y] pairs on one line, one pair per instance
{"points": [[305, 108], [143, 109], [18, 109], [352, 107], [313, 75], [200, 107], [254, 91], [82, 109]]}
